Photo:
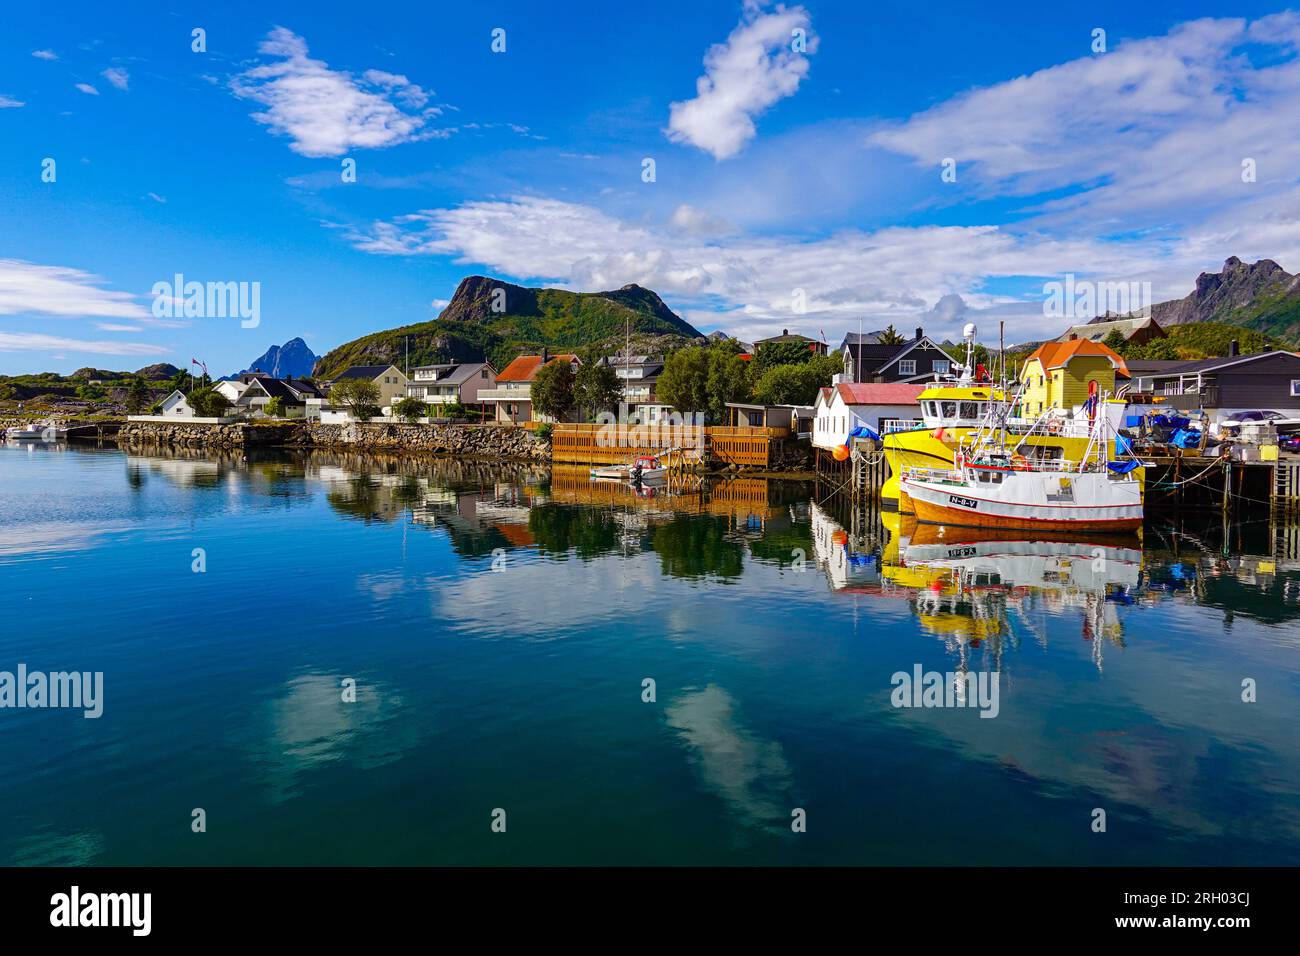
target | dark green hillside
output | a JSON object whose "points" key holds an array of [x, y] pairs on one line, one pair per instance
{"points": [[470, 330]]}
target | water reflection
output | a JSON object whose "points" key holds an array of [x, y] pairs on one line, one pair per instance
{"points": [[771, 619]]}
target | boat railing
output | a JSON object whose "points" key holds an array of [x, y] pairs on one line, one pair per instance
{"points": [[903, 425]]}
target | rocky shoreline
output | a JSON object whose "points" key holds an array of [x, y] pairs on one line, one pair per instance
{"points": [[478, 441]]}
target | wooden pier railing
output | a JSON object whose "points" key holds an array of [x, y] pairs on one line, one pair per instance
{"points": [[609, 444]]}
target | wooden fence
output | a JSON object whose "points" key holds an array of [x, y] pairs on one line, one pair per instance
{"points": [[609, 444]]}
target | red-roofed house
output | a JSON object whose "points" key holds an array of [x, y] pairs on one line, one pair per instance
{"points": [[512, 395], [845, 405]]}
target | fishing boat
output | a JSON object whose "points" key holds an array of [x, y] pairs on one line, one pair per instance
{"points": [[993, 485], [956, 407]]}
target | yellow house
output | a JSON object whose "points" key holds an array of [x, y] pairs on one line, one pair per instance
{"points": [[1057, 374]]}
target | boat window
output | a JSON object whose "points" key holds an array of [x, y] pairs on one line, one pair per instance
{"points": [[996, 477], [970, 409], [949, 409]]}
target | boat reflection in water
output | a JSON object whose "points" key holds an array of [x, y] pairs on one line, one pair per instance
{"points": [[968, 585]]}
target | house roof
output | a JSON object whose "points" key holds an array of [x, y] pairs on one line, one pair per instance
{"points": [[879, 393], [464, 372], [1095, 331], [1217, 364], [1059, 354], [295, 390], [362, 371], [525, 367], [785, 336]]}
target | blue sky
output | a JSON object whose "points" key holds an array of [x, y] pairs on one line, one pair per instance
{"points": [[794, 188]]}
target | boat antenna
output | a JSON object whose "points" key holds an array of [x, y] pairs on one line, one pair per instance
{"points": [[1002, 378]]}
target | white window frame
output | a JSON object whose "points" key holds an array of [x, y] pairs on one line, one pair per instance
{"points": [[907, 366], [941, 366], [1295, 386]]}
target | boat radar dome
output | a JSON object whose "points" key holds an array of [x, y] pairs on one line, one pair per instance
{"points": [[968, 333]]}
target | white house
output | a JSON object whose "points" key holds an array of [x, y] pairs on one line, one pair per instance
{"points": [[233, 389], [176, 405], [846, 405]]}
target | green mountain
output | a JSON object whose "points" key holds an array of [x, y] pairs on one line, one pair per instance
{"points": [[1261, 296], [496, 320]]}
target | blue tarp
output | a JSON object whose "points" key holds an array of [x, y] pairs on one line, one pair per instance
{"points": [[1123, 467], [1170, 421], [1123, 446], [1133, 421], [1184, 438], [862, 431]]}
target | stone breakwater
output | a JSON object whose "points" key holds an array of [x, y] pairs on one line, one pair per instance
{"points": [[470, 441], [458, 440]]}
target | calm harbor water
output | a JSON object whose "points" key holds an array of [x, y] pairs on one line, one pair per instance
{"points": [[499, 623]]}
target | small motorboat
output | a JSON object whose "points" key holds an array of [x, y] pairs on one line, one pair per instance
{"points": [[648, 468], [32, 433], [644, 468]]}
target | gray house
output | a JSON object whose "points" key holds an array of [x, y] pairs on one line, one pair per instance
{"points": [[1268, 381]]}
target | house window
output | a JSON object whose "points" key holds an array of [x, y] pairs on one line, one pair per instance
{"points": [[1295, 386], [941, 366], [483, 374], [907, 367]]}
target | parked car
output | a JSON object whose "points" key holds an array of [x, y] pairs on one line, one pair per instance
{"points": [[1289, 443], [1255, 415]]}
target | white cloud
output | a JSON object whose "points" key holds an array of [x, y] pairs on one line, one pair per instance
{"points": [[61, 291], [748, 283], [45, 54], [112, 327], [1158, 127], [87, 89], [692, 221], [156, 198], [118, 77], [327, 112], [755, 68], [36, 342], [9, 103]]}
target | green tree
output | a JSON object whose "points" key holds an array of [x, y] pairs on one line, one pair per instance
{"points": [[1158, 349], [684, 382], [359, 396], [411, 409], [772, 354], [728, 380], [704, 378], [6, 392], [1115, 341], [796, 384], [552, 389], [890, 336], [207, 402], [597, 388], [91, 393], [137, 396], [274, 408]]}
